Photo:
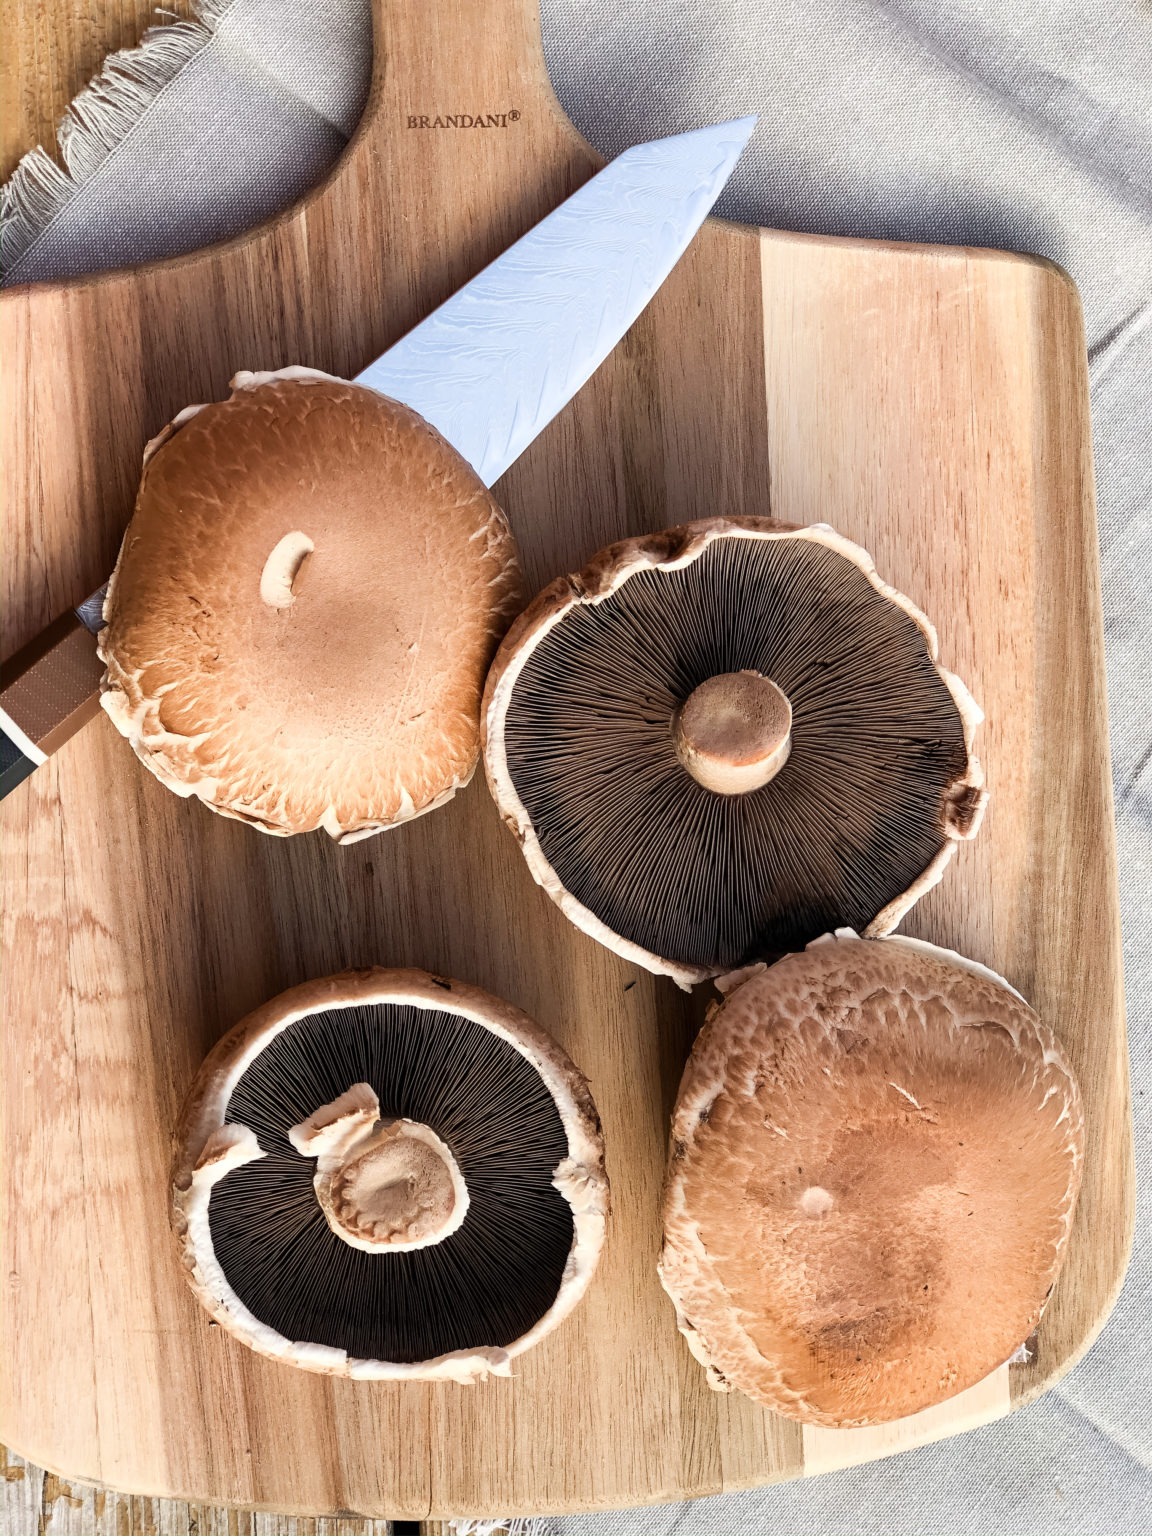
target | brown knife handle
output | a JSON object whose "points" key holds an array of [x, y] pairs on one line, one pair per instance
{"points": [[48, 691]]}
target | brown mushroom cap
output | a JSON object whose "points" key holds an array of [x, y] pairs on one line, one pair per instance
{"points": [[875, 1157], [305, 604], [693, 852], [303, 1234]]}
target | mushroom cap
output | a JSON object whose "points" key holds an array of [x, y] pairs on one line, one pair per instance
{"points": [[304, 607], [875, 1157], [493, 1086], [879, 783]]}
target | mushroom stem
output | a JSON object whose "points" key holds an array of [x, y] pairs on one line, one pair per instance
{"points": [[382, 1184], [734, 732], [282, 569]]}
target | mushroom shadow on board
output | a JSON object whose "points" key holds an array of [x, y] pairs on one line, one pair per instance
{"points": [[678, 1018]]}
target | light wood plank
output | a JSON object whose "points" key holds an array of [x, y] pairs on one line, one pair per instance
{"points": [[827, 1450], [36, 1503], [932, 404]]}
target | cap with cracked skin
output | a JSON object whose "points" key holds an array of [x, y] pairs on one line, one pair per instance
{"points": [[874, 1162], [304, 608], [871, 783], [323, 1073]]}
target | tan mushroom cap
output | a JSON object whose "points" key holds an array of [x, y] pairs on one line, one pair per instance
{"points": [[876, 1154], [304, 608], [209, 1147]]}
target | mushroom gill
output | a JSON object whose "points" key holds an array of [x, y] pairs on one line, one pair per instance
{"points": [[718, 742]]}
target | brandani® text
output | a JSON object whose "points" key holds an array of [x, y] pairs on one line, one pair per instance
{"points": [[466, 120]]}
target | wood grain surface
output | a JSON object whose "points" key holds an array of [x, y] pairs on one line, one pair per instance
{"points": [[929, 402]]}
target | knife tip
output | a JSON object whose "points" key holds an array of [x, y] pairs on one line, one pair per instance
{"points": [[741, 125], [737, 130]]}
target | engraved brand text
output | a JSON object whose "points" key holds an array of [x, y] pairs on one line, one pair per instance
{"points": [[466, 120]]}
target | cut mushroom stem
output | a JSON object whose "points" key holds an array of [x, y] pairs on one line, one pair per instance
{"points": [[382, 1184], [282, 569], [734, 732]]}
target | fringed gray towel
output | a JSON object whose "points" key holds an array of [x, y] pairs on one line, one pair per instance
{"points": [[207, 128]]}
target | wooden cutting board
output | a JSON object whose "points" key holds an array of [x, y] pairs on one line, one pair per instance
{"points": [[931, 403]]}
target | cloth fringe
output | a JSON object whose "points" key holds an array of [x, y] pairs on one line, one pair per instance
{"points": [[98, 120], [522, 1525]]}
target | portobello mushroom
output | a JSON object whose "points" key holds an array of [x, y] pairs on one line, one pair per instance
{"points": [[388, 1175], [875, 1157]]}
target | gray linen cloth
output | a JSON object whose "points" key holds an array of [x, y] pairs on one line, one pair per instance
{"points": [[1027, 127]]}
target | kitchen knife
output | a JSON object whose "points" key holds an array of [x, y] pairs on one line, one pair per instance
{"points": [[489, 369]]}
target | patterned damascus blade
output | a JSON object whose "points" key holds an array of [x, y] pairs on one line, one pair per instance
{"points": [[493, 365]]}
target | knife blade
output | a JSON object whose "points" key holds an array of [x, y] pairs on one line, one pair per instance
{"points": [[494, 364], [489, 369]]}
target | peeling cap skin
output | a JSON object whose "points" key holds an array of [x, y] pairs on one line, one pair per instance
{"points": [[388, 1175], [717, 742], [305, 604], [875, 1157]]}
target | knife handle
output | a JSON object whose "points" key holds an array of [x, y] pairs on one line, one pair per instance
{"points": [[48, 691]]}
